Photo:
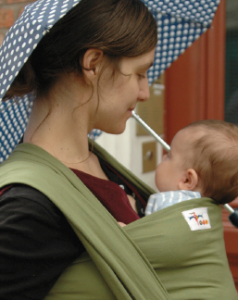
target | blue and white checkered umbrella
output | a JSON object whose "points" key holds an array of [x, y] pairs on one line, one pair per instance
{"points": [[180, 22]]}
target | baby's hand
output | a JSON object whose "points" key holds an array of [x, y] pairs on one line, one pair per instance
{"points": [[121, 224]]}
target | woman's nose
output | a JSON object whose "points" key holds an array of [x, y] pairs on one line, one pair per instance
{"points": [[144, 93]]}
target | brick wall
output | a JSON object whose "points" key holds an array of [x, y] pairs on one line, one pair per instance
{"points": [[10, 10]]}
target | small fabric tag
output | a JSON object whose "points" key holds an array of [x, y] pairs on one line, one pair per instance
{"points": [[197, 218]]}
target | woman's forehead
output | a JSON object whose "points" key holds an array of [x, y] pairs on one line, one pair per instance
{"points": [[142, 61]]}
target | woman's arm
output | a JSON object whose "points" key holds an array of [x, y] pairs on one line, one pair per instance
{"points": [[37, 244]]}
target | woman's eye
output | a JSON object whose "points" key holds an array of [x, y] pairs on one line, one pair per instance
{"points": [[141, 76]]}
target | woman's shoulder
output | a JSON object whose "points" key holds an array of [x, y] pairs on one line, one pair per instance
{"points": [[19, 194], [27, 206]]}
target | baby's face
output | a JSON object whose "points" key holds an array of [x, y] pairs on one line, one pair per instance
{"points": [[171, 170]]}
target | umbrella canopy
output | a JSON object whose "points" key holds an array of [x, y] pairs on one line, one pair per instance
{"points": [[180, 22]]}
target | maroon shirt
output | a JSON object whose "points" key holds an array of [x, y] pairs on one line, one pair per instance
{"points": [[112, 196]]}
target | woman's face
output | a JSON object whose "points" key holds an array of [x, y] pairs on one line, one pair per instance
{"points": [[119, 96]]}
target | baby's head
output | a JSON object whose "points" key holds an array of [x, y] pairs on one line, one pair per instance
{"points": [[203, 158]]}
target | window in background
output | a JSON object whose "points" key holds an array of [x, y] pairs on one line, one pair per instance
{"points": [[231, 84]]}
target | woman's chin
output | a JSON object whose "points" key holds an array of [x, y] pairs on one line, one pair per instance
{"points": [[116, 130], [113, 127]]}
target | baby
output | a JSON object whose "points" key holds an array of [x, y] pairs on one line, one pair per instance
{"points": [[184, 242], [202, 162]]}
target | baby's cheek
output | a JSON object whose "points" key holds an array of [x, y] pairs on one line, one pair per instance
{"points": [[158, 176]]}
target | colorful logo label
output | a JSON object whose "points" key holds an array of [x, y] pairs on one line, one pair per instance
{"points": [[197, 218]]}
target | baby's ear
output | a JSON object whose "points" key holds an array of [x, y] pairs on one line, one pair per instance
{"points": [[189, 181]]}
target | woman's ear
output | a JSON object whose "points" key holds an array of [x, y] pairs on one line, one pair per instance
{"points": [[189, 181], [92, 60]]}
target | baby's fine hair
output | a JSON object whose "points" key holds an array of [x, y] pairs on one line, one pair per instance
{"points": [[214, 157]]}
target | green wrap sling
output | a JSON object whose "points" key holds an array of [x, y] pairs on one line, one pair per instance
{"points": [[124, 271], [191, 264]]}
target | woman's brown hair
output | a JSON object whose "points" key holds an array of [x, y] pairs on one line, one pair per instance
{"points": [[120, 28]]}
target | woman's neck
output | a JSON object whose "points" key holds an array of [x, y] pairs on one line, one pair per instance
{"points": [[60, 124]]}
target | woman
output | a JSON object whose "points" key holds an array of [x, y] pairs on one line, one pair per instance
{"points": [[89, 71], [61, 197]]}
